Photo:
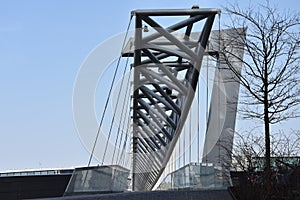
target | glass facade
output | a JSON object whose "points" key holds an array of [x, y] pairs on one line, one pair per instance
{"points": [[196, 176], [100, 179]]}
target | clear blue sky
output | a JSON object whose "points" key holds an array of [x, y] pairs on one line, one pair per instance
{"points": [[42, 45]]}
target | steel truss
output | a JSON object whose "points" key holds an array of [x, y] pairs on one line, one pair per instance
{"points": [[166, 70]]}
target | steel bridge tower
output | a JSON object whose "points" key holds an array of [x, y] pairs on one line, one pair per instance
{"points": [[166, 70]]}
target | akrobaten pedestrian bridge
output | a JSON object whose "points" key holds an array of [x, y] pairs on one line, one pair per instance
{"points": [[174, 106]]}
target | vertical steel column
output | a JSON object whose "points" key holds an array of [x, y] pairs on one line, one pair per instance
{"points": [[137, 63]]}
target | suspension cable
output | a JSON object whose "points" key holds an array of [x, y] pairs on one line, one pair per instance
{"points": [[121, 158], [207, 105], [108, 98], [124, 114], [113, 118], [119, 130], [198, 121], [190, 137], [118, 97], [219, 89], [184, 149], [124, 146]]}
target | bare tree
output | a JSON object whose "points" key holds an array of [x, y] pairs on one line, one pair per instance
{"points": [[271, 66], [285, 145], [249, 145], [246, 155]]}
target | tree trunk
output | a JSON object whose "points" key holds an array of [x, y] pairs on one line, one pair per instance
{"points": [[268, 162], [267, 135]]}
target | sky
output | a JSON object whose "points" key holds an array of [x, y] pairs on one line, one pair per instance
{"points": [[42, 46]]}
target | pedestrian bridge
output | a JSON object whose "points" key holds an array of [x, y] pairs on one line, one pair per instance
{"points": [[176, 88]]}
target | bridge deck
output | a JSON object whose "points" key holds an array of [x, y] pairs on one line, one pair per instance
{"points": [[158, 195]]}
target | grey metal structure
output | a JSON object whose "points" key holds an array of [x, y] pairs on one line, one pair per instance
{"points": [[166, 69], [224, 99]]}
